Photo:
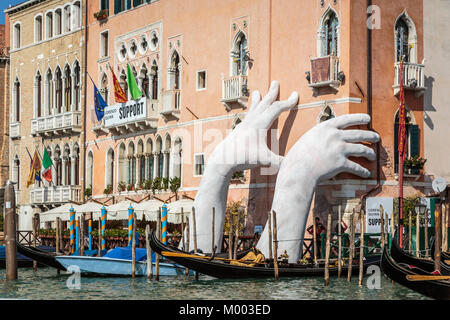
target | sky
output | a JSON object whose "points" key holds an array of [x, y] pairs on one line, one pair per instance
{"points": [[4, 4]]}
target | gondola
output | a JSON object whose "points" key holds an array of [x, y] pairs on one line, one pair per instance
{"points": [[23, 260], [41, 256], [398, 271], [223, 270], [399, 255]]}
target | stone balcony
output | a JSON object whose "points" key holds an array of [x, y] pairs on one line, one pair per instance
{"points": [[413, 78], [325, 73], [14, 130], [55, 195], [132, 116], [57, 124], [235, 92], [170, 107]]}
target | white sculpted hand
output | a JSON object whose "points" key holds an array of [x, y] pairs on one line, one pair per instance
{"points": [[246, 146], [320, 154]]}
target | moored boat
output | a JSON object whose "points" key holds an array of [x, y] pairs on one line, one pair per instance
{"points": [[118, 262], [399, 255], [398, 272], [23, 260], [224, 270]]}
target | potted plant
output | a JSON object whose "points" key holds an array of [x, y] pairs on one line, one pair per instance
{"points": [[130, 187], [175, 184], [101, 15], [414, 164], [122, 186], [88, 192], [147, 185], [156, 184], [165, 183], [108, 189]]}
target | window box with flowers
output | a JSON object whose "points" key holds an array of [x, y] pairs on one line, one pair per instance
{"points": [[101, 15], [413, 165], [238, 177]]}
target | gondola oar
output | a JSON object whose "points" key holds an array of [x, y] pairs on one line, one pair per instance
{"points": [[420, 277]]}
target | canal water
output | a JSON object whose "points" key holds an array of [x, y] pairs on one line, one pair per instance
{"points": [[46, 284]]}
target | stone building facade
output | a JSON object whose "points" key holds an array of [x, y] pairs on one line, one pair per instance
{"points": [[4, 104], [197, 61], [46, 81]]}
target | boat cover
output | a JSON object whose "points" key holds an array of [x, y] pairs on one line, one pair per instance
{"points": [[126, 254]]}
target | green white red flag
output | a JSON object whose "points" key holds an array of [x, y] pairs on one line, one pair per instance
{"points": [[47, 166]]}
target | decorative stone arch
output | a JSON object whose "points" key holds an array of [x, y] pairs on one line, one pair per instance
{"points": [[326, 114], [110, 167], [104, 86], [131, 157], [123, 81], [38, 27], [154, 79], [143, 79], [38, 112], [167, 145], [48, 91], [177, 156], [322, 32], [174, 71], [158, 144], [90, 169], [17, 35], [239, 49], [412, 37], [149, 145], [58, 79], [49, 24], [122, 172], [17, 101]]}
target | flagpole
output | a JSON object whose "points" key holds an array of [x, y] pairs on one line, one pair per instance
{"points": [[401, 153]]}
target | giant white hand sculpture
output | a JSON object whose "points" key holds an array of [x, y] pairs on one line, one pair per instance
{"points": [[244, 148], [320, 154]]}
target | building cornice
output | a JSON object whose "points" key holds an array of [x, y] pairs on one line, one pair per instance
{"points": [[22, 6]]}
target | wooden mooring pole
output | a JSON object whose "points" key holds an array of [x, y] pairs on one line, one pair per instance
{"points": [[340, 240], [133, 248], [275, 244], [410, 232], [352, 246], [212, 231], [194, 230], [183, 235], [327, 251], [230, 235], [269, 225], [236, 236], [99, 236], [382, 226], [314, 240], [425, 233], [158, 233], [82, 220], [417, 234], [444, 227], [149, 253], [361, 247], [10, 232], [35, 231], [437, 237], [57, 234], [187, 240]]}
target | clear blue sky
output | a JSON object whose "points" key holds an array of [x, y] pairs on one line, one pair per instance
{"points": [[5, 4]]}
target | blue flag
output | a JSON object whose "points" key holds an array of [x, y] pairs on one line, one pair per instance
{"points": [[99, 102]]}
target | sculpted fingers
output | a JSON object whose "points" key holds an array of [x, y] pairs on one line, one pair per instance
{"points": [[274, 111], [360, 136], [356, 169], [256, 99], [271, 96], [348, 120], [359, 150]]}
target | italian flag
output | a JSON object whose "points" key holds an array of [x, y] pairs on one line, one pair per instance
{"points": [[47, 166]]}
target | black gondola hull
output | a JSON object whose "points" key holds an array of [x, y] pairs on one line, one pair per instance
{"points": [[226, 271], [42, 257], [439, 289]]}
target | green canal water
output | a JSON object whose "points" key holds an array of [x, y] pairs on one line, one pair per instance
{"points": [[46, 284]]}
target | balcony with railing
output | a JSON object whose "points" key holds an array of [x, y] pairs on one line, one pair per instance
{"points": [[325, 73], [57, 124], [171, 106], [235, 91], [132, 116], [55, 195], [14, 130], [413, 78]]}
